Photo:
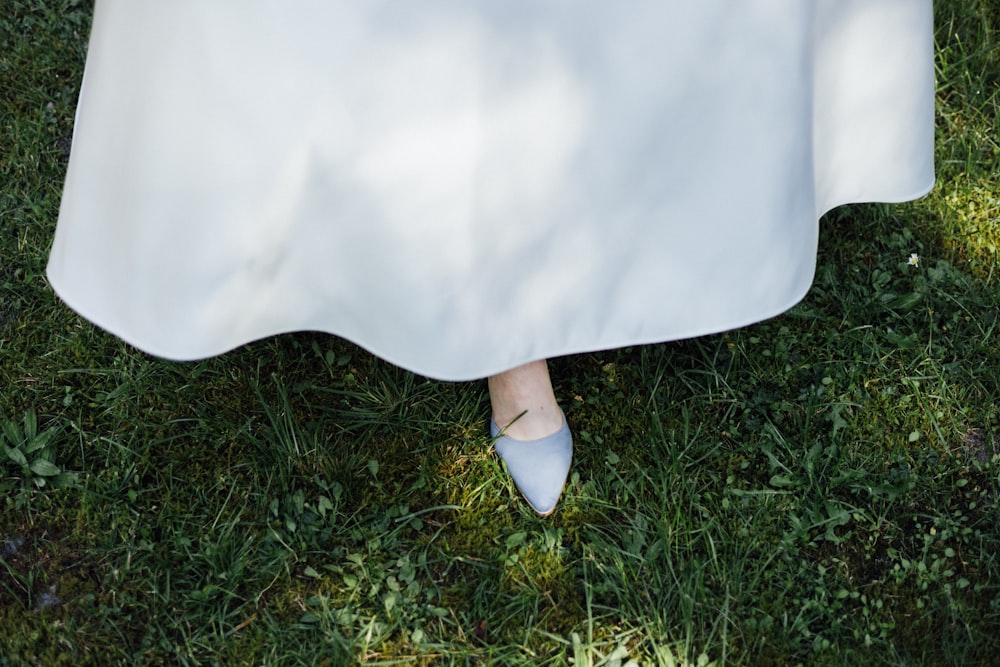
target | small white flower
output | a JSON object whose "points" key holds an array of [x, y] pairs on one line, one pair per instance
{"points": [[914, 259]]}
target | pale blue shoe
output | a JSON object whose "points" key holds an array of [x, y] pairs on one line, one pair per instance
{"points": [[538, 467]]}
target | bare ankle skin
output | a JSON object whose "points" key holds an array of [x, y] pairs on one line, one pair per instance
{"points": [[524, 405]]}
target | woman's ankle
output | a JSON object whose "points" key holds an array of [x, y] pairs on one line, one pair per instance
{"points": [[524, 405], [531, 424]]}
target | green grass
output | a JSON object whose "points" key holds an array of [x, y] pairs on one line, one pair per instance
{"points": [[820, 488]]}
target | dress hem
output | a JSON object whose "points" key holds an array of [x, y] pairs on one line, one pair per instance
{"points": [[487, 369]]}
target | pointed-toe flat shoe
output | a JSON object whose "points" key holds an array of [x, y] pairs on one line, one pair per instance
{"points": [[540, 467]]}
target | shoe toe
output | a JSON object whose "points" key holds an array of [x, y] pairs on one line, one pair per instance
{"points": [[539, 468]]}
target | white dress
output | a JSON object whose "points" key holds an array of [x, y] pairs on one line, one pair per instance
{"points": [[462, 186]]}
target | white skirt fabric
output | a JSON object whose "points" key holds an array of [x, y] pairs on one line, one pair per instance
{"points": [[462, 186]]}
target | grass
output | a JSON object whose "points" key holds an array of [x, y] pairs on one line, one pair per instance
{"points": [[820, 488]]}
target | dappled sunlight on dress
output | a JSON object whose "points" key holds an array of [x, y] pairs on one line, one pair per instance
{"points": [[464, 186]]}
